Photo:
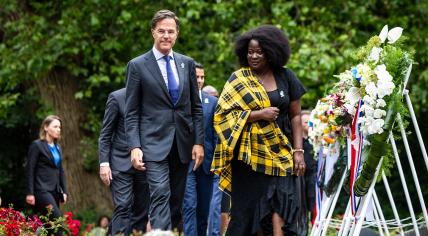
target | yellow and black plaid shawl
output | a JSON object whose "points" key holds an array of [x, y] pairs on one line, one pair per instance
{"points": [[262, 144]]}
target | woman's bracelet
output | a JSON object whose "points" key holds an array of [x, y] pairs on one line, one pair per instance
{"points": [[298, 150]]}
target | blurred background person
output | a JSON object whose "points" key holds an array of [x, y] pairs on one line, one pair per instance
{"points": [[129, 187], [310, 173], [199, 185], [210, 90], [102, 226], [46, 184]]}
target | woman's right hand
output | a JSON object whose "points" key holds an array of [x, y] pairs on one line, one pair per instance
{"points": [[270, 113], [30, 199]]}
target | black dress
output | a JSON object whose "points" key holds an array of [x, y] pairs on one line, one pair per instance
{"points": [[255, 196]]}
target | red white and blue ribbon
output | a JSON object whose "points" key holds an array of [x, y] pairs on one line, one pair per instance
{"points": [[356, 150]]}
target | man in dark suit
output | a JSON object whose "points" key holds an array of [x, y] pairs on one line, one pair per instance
{"points": [[199, 187], [130, 191], [164, 120]]}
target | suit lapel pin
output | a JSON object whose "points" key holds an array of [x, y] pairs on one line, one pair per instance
{"points": [[182, 65], [281, 93], [206, 100]]}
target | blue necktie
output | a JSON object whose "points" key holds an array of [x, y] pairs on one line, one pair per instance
{"points": [[172, 83]]}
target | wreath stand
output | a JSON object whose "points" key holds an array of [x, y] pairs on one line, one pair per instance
{"points": [[352, 225]]}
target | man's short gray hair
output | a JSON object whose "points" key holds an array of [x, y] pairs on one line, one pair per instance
{"points": [[164, 14], [210, 90]]}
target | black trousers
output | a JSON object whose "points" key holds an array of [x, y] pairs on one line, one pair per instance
{"points": [[45, 200], [167, 182], [131, 199]]}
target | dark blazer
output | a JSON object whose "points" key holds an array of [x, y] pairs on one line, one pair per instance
{"points": [[42, 173], [112, 146], [152, 121], [209, 104]]}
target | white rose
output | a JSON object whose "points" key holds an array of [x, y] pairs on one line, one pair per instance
{"points": [[371, 89], [376, 126], [361, 120], [368, 124], [369, 100], [385, 88], [379, 113], [380, 103], [382, 74], [368, 110]]}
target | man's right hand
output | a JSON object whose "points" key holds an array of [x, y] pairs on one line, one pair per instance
{"points": [[105, 175], [30, 199], [137, 159]]}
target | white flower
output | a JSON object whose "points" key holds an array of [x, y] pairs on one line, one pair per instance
{"points": [[385, 88], [371, 89], [350, 108], [353, 95], [382, 73], [345, 76], [378, 113], [374, 54], [380, 103], [394, 34], [369, 100], [383, 34], [368, 124], [377, 126], [368, 110], [366, 73]]}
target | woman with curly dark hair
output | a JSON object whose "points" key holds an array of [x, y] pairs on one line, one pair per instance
{"points": [[260, 136]]}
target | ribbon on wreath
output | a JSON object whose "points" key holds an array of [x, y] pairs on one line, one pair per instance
{"points": [[356, 150]]}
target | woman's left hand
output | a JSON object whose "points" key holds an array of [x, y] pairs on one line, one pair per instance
{"points": [[299, 164]]}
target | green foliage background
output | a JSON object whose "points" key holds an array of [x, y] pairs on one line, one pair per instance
{"points": [[94, 39]]}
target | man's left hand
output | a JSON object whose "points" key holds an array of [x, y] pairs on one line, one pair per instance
{"points": [[64, 197], [197, 155]]}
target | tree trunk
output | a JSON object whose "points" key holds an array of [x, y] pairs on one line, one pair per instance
{"points": [[86, 191]]}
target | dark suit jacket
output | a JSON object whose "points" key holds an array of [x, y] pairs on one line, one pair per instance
{"points": [[42, 173], [112, 146], [152, 121], [209, 104]]}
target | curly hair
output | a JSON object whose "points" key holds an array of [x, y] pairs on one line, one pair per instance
{"points": [[273, 42]]}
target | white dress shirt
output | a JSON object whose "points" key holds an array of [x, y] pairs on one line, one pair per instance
{"points": [[162, 65]]}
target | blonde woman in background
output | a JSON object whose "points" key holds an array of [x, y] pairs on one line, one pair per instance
{"points": [[46, 184]]}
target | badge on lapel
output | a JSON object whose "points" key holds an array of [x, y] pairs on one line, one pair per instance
{"points": [[182, 65], [281, 93], [206, 100]]}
